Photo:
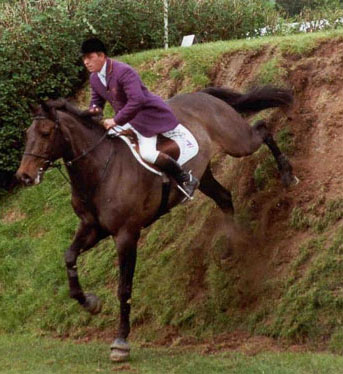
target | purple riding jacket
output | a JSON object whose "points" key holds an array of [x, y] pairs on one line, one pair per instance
{"points": [[131, 100]]}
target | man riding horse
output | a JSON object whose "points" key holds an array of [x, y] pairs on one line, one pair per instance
{"points": [[148, 114]]}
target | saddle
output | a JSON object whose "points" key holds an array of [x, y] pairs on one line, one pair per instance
{"points": [[179, 144]]}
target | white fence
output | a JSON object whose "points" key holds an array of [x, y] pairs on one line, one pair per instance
{"points": [[291, 28]]}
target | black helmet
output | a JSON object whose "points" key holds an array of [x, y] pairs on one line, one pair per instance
{"points": [[93, 45]]}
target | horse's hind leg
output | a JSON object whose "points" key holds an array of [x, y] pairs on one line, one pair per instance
{"points": [[213, 189], [85, 238], [126, 241], [285, 168]]}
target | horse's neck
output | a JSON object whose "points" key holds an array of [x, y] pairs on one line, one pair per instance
{"points": [[109, 161], [79, 141], [79, 138]]}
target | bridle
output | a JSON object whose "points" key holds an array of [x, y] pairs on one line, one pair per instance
{"points": [[68, 163]]}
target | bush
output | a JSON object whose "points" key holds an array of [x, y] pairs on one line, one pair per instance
{"points": [[295, 7], [219, 20], [125, 26], [38, 59]]}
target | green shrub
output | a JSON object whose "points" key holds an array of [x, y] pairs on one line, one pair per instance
{"points": [[38, 59], [294, 7]]}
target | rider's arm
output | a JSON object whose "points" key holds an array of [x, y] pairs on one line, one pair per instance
{"points": [[132, 86], [96, 100]]}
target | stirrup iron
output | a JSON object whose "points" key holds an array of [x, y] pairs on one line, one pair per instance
{"points": [[188, 197]]}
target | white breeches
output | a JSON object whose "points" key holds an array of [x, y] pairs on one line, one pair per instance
{"points": [[181, 135], [147, 147]]}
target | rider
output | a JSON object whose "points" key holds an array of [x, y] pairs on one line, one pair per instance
{"points": [[121, 86]]}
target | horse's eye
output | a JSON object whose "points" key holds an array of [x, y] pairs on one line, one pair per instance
{"points": [[45, 134]]}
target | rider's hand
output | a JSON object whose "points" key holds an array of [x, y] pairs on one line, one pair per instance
{"points": [[94, 109], [108, 123]]}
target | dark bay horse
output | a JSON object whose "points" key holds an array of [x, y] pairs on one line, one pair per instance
{"points": [[114, 195]]}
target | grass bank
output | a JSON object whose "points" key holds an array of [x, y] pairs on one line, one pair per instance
{"points": [[183, 284]]}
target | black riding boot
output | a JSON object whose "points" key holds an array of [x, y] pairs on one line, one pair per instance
{"points": [[169, 166]]}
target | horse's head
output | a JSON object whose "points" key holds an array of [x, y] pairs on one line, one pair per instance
{"points": [[42, 145]]}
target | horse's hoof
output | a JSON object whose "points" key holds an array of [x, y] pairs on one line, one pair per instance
{"points": [[120, 350], [93, 304], [289, 180], [296, 180]]}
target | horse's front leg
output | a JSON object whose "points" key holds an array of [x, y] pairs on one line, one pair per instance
{"points": [[85, 238], [127, 250]]}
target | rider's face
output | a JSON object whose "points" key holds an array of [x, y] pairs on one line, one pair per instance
{"points": [[94, 61]]}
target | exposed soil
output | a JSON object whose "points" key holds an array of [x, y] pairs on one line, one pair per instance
{"points": [[13, 216], [315, 120], [316, 123], [237, 341]]}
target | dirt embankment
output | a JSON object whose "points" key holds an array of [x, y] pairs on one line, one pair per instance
{"points": [[315, 124]]}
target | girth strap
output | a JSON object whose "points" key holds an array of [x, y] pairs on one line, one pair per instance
{"points": [[163, 208]]}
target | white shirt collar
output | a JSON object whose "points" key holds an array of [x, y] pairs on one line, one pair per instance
{"points": [[102, 74]]}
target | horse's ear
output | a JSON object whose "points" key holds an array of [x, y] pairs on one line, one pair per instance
{"points": [[49, 110], [57, 104], [45, 107], [35, 109]]}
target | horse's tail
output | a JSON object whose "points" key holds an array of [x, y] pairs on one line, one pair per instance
{"points": [[255, 100]]}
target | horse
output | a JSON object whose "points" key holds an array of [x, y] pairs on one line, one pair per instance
{"points": [[113, 195]]}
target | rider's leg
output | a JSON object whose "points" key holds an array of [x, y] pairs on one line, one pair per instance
{"points": [[186, 180], [167, 164]]}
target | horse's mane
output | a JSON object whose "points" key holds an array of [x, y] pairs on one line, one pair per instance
{"points": [[88, 119]]}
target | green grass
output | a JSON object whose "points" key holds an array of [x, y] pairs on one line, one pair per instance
{"points": [[312, 303], [37, 226], [317, 217], [24, 354]]}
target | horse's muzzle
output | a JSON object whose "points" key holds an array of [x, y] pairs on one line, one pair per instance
{"points": [[24, 178], [27, 179]]}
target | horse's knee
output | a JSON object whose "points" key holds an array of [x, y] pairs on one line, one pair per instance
{"points": [[70, 258], [261, 128], [124, 292], [225, 202], [126, 240], [127, 251]]}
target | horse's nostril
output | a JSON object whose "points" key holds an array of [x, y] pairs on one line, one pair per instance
{"points": [[25, 178]]}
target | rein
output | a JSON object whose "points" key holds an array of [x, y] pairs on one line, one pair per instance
{"points": [[85, 153]]}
